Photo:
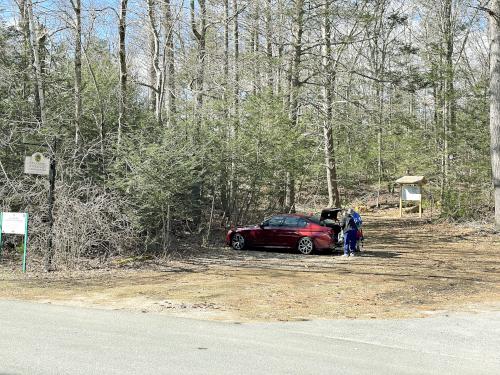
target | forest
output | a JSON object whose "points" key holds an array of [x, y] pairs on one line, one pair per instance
{"points": [[165, 118]]}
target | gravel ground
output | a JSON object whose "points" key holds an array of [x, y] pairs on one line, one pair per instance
{"points": [[409, 269]]}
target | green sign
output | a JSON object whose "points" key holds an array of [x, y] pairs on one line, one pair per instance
{"points": [[14, 223]]}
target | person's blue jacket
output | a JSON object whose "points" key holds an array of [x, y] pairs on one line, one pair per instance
{"points": [[357, 219]]}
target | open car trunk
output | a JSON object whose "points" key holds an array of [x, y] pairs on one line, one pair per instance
{"points": [[330, 214], [329, 217]]}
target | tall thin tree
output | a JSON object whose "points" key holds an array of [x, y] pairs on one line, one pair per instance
{"points": [[294, 84], [328, 88], [36, 47], [122, 33], [77, 24], [494, 22], [169, 65]]}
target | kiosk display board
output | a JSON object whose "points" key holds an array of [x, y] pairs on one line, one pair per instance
{"points": [[14, 223]]}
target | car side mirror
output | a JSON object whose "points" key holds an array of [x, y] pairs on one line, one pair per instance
{"points": [[262, 225]]}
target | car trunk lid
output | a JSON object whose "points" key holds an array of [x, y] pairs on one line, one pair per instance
{"points": [[330, 214]]}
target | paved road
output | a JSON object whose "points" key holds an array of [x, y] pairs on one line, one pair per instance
{"points": [[47, 339]]}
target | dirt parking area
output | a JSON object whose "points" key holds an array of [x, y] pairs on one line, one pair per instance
{"points": [[409, 268]]}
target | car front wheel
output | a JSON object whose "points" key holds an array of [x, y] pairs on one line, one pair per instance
{"points": [[306, 245], [238, 242]]}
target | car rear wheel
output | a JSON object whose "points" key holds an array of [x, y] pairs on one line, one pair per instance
{"points": [[238, 242], [306, 245]]}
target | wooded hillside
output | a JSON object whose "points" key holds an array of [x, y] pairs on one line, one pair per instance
{"points": [[160, 112]]}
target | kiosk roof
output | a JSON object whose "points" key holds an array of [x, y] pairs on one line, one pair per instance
{"points": [[411, 180]]}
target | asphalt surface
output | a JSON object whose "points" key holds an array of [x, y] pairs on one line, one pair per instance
{"points": [[47, 339]]}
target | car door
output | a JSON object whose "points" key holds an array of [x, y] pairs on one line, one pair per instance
{"points": [[270, 230], [289, 235]]}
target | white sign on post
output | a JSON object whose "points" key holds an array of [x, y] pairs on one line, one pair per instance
{"points": [[13, 223], [412, 193], [37, 164]]}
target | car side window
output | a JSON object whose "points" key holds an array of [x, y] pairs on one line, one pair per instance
{"points": [[302, 223], [291, 222], [275, 221]]}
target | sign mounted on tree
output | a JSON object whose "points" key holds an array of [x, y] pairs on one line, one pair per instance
{"points": [[14, 223], [37, 164]]}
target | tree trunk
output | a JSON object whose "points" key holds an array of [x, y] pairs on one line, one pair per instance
{"points": [[445, 152], [199, 32], [27, 52], [494, 21], [280, 76], [378, 57], [224, 177], [329, 146], [236, 37], [236, 94], [37, 63], [269, 46], [156, 76], [298, 29], [380, 144], [449, 117], [255, 49], [28, 59], [101, 118], [78, 68], [200, 36], [226, 54], [170, 62], [152, 40], [122, 32]]}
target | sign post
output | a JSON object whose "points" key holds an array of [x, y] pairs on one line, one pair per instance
{"points": [[38, 164], [1, 244], [15, 223], [25, 241], [52, 184]]}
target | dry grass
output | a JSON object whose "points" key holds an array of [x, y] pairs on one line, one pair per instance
{"points": [[409, 269]]}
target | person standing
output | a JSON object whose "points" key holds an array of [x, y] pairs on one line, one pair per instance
{"points": [[359, 224], [350, 233]]}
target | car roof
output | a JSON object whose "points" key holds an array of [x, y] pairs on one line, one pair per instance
{"points": [[303, 216], [299, 215]]}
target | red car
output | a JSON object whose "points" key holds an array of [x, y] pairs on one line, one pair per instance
{"points": [[301, 232]]}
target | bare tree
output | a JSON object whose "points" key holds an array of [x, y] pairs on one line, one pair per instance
{"points": [[199, 29], [295, 83], [328, 88], [155, 71], [122, 33], [494, 21], [36, 46], [169, 61], [236, 60], [448, 100], [269, 43], [255, 46], [236, 97], [224, 193], [27, 56], [77, 24]]}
